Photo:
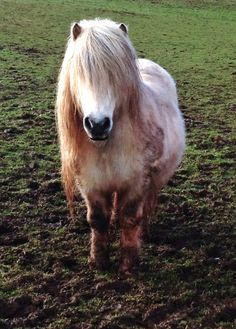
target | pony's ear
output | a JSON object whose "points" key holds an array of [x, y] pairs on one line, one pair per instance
{"points": [[124, 28], [75, 30]]}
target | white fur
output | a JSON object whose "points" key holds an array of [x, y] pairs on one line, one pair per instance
{"points": [[104, 76], [97, 106]]}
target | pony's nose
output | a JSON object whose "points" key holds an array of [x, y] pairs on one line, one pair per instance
{"points": [[97, 129]]}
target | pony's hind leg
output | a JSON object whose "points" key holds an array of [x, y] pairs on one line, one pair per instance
{"points": [[98, 216], [131, 233], [149, 207]]}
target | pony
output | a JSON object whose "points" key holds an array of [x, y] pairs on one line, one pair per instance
{"points": [[121, 135]]}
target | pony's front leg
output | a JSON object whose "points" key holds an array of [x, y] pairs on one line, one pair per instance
{"points": [[131, 232], [98, 216]]}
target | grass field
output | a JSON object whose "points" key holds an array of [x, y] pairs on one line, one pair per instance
{"points": [[187, 268]]}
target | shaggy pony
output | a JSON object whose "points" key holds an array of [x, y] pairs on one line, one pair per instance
{"points": [[121, 134]]}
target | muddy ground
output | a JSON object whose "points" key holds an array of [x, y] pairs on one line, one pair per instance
{"points": [[186, 277]]}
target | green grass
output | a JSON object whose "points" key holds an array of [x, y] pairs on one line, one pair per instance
{"points": [[187, 267]]}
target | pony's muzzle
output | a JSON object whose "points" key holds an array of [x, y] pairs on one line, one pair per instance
{"points": [[97, 130]]}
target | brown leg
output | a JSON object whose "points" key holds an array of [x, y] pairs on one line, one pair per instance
{"points": [[145, 228], [149, 207], [131, 232], [98, 217]]}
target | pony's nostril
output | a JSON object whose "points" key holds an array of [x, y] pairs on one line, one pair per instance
{"points": [[106, 123], [88, 123]]}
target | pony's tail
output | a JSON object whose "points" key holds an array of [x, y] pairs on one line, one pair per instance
{"points": [[68, 132]]}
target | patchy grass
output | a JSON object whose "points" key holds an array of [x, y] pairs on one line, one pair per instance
{"points": [[187, 267]]}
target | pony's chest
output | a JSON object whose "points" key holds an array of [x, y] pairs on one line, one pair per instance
{"points": [[108, 171]]}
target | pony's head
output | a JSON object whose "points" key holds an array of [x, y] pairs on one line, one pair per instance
{"points": [[103, 73]]}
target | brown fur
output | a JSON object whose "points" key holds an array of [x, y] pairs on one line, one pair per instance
{"points": [[119, 178]]}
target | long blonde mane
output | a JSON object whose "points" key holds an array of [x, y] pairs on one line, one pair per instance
{"points": [[104, 57], [101, 57]]}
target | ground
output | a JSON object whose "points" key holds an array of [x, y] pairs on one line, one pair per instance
{"points": [[186, 277]]}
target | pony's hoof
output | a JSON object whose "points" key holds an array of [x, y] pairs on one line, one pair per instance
{"points": [[128, 271], [99, 264], [125, 274]]}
